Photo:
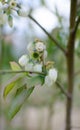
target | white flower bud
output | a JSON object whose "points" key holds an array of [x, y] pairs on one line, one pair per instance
{"points": [[53, 74], [48, 81], [40, 46], [22, 13], [51, 77], [29, 67], [38, 68], [23, 60]]}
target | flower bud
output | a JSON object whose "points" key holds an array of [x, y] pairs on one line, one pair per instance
{"points": [[23, 60], [51, 77], [48, 82], [53, 74]]}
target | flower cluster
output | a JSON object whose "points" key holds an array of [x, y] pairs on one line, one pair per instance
{"points": [[6, 9], [35, 61]]}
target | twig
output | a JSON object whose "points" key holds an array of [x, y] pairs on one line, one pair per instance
{"points": [[21, 71], [62, 89], [77, 24], [52, 38]]}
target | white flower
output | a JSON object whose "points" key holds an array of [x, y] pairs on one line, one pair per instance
{"points": [[40, 46], [29, 67], [48, 81], [53, 74], [30, 47], [51, 77], [38, 68], [23, 60]]}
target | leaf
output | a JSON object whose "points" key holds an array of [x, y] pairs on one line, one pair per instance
{"points": [[14, 66], [18, 102], [10, 85], [10, 21], [36, 80], [20, 89]]}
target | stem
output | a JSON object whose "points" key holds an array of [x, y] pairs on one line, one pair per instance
{"points": [[21, 71], [70, 63], [52, 38], [62, 90], [77, 24]]}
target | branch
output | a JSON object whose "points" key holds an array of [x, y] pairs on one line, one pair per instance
{"points": [[62, 90], [52, 38], [77, 24], [21, 71]]}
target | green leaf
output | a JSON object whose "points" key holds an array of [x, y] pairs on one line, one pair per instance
{"points": [[10, 85], [20, 89], [10, 21], [35, 80], [15, 66], [18, 102]]}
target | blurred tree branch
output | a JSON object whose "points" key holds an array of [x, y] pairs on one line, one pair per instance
{"points": [[62, 89]]}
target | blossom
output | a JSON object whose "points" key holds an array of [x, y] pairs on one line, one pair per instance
{"points": [[48, 81], [51, 77], [38, 68], [13, 3], [40, 46], [23, 60], [53, 74]]}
